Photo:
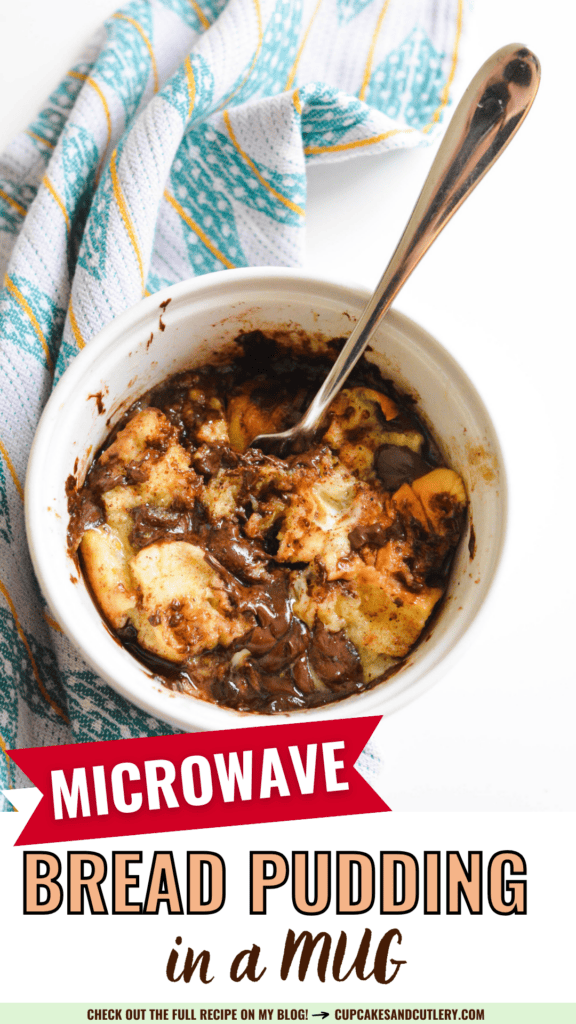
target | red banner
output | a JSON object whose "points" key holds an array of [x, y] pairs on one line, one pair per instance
{"points": [[198, 780]]}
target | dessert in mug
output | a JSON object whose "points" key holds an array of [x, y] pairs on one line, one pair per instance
{"points": [[260, 583]]}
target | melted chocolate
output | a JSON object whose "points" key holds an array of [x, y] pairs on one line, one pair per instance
{"points": [[397, 465], [376, 534], [333, 657], [246, 559], [152, 525], [86, 515]]}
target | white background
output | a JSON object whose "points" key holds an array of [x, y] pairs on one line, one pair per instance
{"points": [[496, 734], [497, 290]]}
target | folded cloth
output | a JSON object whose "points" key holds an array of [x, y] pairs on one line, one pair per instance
{"points": [[177, 145]]}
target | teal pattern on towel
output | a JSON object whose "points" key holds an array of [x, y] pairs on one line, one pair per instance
{"points": [[177, 145]]}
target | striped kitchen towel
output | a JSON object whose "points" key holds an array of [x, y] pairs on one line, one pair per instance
{"points": [[176, 146]]}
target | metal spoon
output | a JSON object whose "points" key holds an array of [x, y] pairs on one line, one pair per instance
{"points": [[487, 117]]}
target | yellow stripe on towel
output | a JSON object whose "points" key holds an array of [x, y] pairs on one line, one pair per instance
{"points": [[198, 231], [125, 214], [17, 294], [256, 172], [11, 469]]}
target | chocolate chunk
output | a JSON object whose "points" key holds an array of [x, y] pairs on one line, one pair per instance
{"points": [[87, 516], [152, 525], [105, 476], [376, 534], [138, 472], [208, 460], [245, 558], [333, 657], [269, 603], [287, 649], [397, 465], [260, 641]]}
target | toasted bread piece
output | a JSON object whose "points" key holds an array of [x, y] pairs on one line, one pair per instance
{"points": [[184, 608], [106, 566]]}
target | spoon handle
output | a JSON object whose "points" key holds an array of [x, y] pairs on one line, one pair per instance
{"points": [[487, 117]]}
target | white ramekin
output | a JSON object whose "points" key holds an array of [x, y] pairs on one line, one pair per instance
{"points": [[204, 315]]}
